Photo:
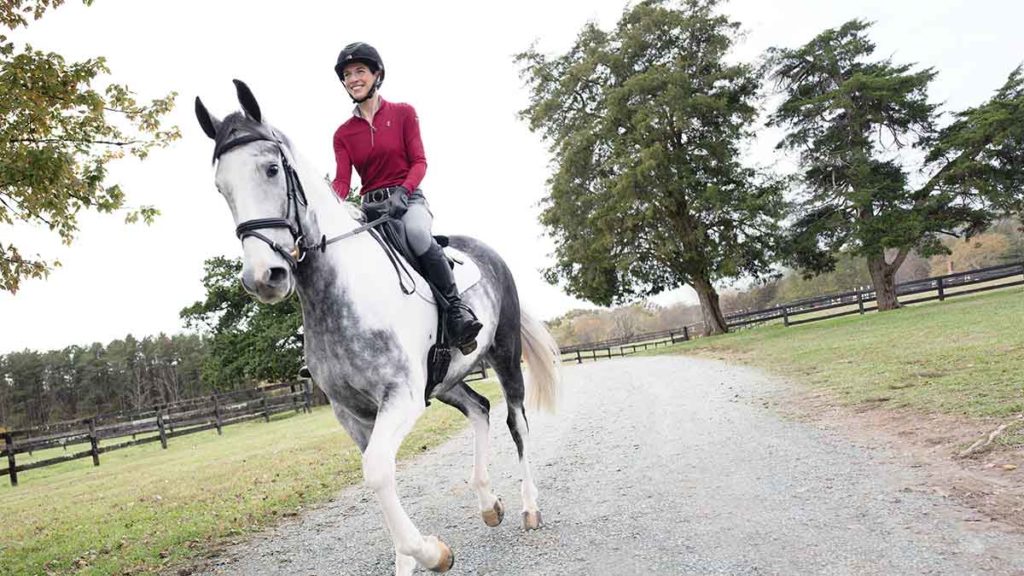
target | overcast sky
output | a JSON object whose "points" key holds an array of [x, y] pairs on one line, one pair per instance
{"points": [[451, 60]]}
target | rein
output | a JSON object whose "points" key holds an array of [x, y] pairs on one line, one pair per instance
{"points": [[297, 198]]}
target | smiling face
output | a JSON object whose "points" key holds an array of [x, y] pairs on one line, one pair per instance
{"points": [[359, 80], [252, 181]]}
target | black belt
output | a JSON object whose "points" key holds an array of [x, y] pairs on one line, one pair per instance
{"points": [[379, 195]]}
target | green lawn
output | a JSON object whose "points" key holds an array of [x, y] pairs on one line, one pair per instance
{"points": [[962, 356], [144, 508]]}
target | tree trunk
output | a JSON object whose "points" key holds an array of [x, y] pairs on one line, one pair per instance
{"points": [[714, 320], [883, 278]]}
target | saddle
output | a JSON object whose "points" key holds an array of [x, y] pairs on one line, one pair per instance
{"points": [[466, 273]]}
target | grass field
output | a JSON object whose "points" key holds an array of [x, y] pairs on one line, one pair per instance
{"points": [[145, 508], [964, 356]]}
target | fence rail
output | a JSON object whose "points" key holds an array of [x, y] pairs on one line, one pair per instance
{"points": [[814, 309], [153, 424], [162, 422]]}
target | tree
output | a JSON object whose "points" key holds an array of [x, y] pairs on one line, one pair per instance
{"points": [[980, 251], [628, 321], [248, 341], [851, 117], [59, 132], [28, 396], [645, 124]]}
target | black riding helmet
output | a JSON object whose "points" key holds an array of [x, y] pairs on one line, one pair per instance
{"points": [[361, 52]]}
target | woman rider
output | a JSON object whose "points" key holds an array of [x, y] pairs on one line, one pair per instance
{"points": [[382, 142]]}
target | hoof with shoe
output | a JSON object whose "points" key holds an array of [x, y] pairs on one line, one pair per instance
{"points": [[447, 559], [495, 515], [531, 520]]}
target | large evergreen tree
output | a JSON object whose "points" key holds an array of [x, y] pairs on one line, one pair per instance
{"points": [[61, 128], [851, 117], [645, 125]]}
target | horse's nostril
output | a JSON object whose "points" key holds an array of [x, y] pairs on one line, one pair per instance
{"points": [[278, 275]]}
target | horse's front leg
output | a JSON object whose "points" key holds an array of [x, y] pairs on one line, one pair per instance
{"points": [[395, 419]]}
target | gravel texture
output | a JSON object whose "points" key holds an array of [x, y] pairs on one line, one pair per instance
{"points": [[658, 466]]}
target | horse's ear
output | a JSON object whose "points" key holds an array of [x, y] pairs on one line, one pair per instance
{"points": [[206, 120], [248, 101]]}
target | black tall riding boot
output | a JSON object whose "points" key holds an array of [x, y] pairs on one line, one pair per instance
{"points": [[460, 321]]}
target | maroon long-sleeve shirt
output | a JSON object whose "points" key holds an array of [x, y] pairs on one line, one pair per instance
{"points": [[389, 153]]}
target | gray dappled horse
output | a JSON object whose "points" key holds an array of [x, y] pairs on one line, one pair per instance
{"points": [[366, 335]]}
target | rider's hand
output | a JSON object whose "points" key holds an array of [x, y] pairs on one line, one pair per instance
{"points": [[398, 202]]}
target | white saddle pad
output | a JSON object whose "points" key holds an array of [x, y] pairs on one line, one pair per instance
{"points": [[467, 275]]}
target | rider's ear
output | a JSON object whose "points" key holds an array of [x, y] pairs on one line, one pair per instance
{"points": [[248, 101], [206, 120]]}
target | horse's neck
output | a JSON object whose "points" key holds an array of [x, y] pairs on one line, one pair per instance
{"points": [[344, 277]]}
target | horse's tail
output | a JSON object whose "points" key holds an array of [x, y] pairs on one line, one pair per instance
{"points": [[543, 360]]}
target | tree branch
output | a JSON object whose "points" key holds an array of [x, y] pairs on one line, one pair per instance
{"points": [[62, 140]]}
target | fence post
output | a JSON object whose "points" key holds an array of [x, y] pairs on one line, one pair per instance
{"points": [[860, 301], [295, 404], [161, 428], [785, 316], [94, 447], [263, 404], [609, 352], [9, 446], [307, 387], [216, 415], [579, 359], [686, 333], [942, 293]]}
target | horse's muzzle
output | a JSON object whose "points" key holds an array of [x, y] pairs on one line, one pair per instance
{"points": [[269, 285]]}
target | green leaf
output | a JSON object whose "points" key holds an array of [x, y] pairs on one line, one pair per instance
{"points": [[61, 130]]}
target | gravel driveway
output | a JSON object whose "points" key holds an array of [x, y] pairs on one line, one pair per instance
{"points": [[658, 466]]}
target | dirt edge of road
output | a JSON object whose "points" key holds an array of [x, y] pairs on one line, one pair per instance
{"points": [[955, 453]]}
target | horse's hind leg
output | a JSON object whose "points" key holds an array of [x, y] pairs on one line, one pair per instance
{"points": [[395, 419], [477, 409], [511, 376]]}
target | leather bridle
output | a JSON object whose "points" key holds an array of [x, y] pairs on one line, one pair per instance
{"points": [[296, 197]]}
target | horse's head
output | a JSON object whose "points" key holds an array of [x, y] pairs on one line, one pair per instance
{"points": [[254, 174]]}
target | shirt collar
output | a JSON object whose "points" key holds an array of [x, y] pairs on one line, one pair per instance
{"points": [[357, 114]]}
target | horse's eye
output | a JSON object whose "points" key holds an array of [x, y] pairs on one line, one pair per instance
{"points": [[272, 170]]}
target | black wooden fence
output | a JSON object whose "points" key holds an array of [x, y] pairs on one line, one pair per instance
{"points": [[90, 437], [162, 422], [812, 310], [862, 301]]}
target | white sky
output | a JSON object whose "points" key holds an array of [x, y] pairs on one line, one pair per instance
{"points": [[451, 60]]}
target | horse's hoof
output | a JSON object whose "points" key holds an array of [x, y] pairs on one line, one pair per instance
{"points": [[495, 515], [447, 559], [531, 520]]}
